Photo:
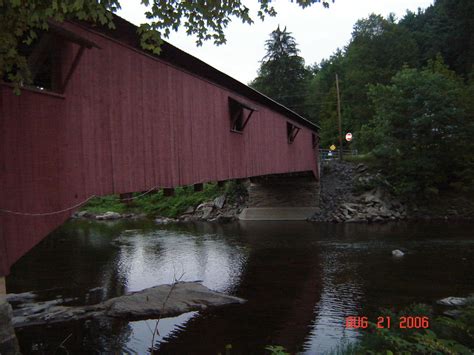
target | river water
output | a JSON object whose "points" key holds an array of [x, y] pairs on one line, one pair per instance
{"points": [[300, 279]]}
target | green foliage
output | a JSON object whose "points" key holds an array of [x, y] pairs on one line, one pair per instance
{"points": [[20, 22], [276, 350], [444, 336], [104, 204], [157, 204], [421, 128], [446, 28], [379, 49], [282, 74], [174, 205], [321, 100], [367, 159]]}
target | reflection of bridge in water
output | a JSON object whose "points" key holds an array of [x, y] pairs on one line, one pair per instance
{"points": [[282, 282], [277, 273]]}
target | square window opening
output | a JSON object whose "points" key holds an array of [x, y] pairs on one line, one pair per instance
{"points": [[315, 140], [240, 114], [291, 132]]}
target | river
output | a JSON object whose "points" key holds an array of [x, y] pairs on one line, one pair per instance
{"points": [[300, 279]]}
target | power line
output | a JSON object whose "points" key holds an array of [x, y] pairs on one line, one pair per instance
{"points": [[70, 208]]}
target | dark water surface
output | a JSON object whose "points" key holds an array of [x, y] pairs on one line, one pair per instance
{"points": [[301, 280]]}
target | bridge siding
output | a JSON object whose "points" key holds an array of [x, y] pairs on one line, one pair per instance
{"points": [[127, 122]]}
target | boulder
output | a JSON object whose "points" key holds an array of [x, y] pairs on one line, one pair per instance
{"points": [[385, 212], [8, 341], [206, 212], [361, 168], [189, 210], [108, 216], [397, 253], [219, 201], [204, 205], [21, 297], [453, 301], [453, 313], [164, 220], [151, 303], [352, 207], [81, 214], [372, 212]]}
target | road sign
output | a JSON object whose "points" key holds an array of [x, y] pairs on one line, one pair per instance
{"points": [[332, 147], [348, 136]]}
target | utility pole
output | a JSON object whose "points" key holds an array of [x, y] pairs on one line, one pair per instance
{"points": [[339, 117]]}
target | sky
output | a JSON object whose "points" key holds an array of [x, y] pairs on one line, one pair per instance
{"points": [[318, 31]]}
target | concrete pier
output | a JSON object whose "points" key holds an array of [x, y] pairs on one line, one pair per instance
{"points": [[282, 198], [8, 341]]}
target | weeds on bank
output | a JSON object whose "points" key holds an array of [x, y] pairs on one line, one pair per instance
{"points": [[445, 335], [368, 159], [172, 206], [155, 203]]}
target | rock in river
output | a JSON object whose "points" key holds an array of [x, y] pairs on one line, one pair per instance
{"points": [[397, 253], [151, 303], [453, 301], [108, 216]]}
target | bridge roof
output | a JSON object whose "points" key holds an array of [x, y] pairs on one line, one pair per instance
{"points": [[126, 32]]}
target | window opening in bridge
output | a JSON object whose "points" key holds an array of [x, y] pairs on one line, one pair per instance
{"points": [[46, 58], [315, 140], [291, 132], [240, 114]]}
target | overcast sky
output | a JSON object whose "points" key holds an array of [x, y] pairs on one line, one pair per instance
{"points": [[318, 31]]}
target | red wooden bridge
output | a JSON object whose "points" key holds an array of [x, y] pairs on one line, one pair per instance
{"points": [[105, 117]]}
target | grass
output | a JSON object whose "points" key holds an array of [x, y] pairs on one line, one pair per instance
{"points": [[157, 204], [368, 159], [104, 204]]}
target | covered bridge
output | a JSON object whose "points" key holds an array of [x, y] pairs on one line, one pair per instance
{"points": [[104, 117]]}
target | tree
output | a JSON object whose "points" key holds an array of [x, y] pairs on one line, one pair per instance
{"points": [[422, 127], [447, 28], [21, 21], [378, 50], [321, 100], [282, 74]]}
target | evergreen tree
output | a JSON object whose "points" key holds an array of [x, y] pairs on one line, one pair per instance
{"points": [[282, 74]]}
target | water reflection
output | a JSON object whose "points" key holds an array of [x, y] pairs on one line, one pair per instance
{"points": [[301, 280], [281, 281]]}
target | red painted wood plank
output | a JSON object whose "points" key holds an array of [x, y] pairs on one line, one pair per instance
{"points": [[127, 123]]}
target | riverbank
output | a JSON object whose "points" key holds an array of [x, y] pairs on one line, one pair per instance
{"points": [[356, 192], [215, 204], [350, 192]]}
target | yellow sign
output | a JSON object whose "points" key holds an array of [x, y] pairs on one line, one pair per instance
{"points": [[332, 147]]}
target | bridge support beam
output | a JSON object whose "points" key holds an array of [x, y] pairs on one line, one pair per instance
{"points": [[126, 198], [8, 341], [282, 197], [168, 192]]}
